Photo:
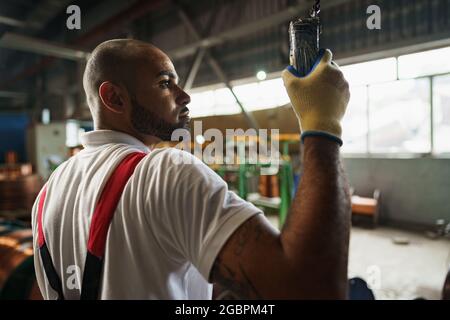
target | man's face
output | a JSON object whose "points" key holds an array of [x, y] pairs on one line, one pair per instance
{"points": [[158, 105]]}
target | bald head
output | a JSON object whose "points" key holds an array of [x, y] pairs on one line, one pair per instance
{"points": [[132, 86], [117, 61]]}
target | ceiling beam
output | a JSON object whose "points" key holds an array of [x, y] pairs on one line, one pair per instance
{"points": [[193, 69], [136, 10], [12, 94], [249, 28], [196, 62], [29, 44], [11, 22], [216, 67]]}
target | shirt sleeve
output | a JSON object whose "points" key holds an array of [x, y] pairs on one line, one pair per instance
{"points": [[201, 212], [38, 267]]}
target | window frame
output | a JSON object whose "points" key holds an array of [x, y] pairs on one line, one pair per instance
{"points": [[403, 155], [368, 153]]}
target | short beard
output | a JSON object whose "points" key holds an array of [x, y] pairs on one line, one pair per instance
{"points": [[147, 122]]}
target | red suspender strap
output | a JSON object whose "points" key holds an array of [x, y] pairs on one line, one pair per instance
{"points": [[50, 271], [101, 220], [107, 203], [41, 238]]}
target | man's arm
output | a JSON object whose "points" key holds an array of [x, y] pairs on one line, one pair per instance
{"points": [[308, 259]]}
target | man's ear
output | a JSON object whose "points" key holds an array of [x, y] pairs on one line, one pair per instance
{"points": [[112, 96]]}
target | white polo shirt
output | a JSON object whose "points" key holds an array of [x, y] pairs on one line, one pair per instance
{"points": [[168, 228]]}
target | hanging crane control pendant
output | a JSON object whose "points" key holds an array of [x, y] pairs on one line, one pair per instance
{"points": [[304, 41]]}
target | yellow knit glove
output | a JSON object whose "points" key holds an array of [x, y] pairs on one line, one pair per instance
{"points": [[320, 98]]}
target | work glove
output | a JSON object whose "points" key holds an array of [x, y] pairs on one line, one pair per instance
{"points": [[320, 98]]}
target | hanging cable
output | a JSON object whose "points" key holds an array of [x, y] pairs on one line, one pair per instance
{"points": [[315, 10]]}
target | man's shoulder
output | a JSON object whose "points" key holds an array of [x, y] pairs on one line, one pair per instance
{"points": [[173, 157], [62, 167], [177, 164]]}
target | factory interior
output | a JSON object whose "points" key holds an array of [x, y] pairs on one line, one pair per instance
{"points": [[229, 56]]}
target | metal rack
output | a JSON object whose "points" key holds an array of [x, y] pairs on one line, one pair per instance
{"points": [[285, 175]]}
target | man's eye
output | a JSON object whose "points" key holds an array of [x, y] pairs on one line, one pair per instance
{"points": [[164, 84]]}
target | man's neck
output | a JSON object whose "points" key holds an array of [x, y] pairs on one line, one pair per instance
{"points": [[149, 140]]}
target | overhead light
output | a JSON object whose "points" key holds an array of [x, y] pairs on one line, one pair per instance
{"points": [[45, 116], [261, 75], [200, 139]]}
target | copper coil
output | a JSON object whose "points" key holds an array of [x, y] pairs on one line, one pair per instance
{"points": [[274, 187], [263, 186], [18, 192], [11, 157], [15, 248], [268, 186]]}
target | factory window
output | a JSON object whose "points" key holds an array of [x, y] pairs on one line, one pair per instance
{"points": [[248, 93], [399, 117], [371, 72], [390, 107], [262, 95], [213, 102], [441, 114], [355, 122], [225, 102], [399, 111], [201, 103], [424, 63], [254, 96]]}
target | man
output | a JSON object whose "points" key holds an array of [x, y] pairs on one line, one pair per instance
{"points": [[176, 228]]}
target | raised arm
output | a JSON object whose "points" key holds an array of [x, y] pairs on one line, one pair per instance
{"points": [[308, 259]]}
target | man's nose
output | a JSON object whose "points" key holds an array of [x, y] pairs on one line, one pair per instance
{"points": [[183, 98]]}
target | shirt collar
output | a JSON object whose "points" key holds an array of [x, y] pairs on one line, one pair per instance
{"points": [[99, 138]]}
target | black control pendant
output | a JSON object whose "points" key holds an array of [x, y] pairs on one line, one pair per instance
{"points": [[304, 44]]}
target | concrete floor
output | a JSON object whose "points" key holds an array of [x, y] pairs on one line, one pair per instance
{"points": [[397, 271]]}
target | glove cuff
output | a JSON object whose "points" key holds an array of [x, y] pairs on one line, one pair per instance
{"points": [[321, 134], [317, 122]]}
